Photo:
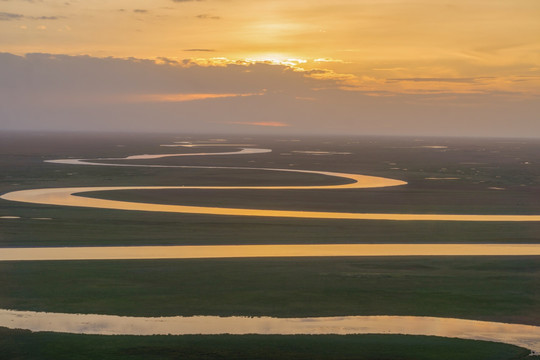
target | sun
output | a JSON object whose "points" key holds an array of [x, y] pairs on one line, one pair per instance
{"points": [[277, 59]]}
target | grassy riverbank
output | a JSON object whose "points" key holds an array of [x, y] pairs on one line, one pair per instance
{"points": [[485, 288], [482, 176], [57, 226], [18, 344]]}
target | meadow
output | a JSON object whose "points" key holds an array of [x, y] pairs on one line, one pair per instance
{"points": [[469, 176]]}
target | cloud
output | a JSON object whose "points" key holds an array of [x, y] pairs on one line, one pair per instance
{"points": [[328, 60], [449, 80], [45, 17], [206, 16], [260, 123], [61, 92], [174, 97], [4, 16], [164, 60], [140, 11], [200, 50], [86, 78]]}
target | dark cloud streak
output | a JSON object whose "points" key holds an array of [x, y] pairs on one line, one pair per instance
{"points": [[4, 16], [45, 17], [200, 50], [207, 17]]}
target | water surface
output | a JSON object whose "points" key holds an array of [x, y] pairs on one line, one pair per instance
{"points": [[527, 336], [264, 251]]}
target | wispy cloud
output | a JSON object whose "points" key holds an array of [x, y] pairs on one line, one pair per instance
{"points": [[45, 17], [207, 16], [5, 16], [176, 97], [200, 50], [260, 123], [448, 80], [328, 60]]}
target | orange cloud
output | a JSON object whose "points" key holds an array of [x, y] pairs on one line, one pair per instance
{"points": [[260, 123], [179, 97]]}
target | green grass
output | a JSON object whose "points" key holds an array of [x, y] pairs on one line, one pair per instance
{"points": [[71, 227], [17, 344], [497, 164], [485, 288]]}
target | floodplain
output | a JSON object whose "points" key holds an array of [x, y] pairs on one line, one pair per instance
{"points": [[443, 176]]}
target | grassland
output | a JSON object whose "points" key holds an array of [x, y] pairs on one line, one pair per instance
{"points": [[17, 344], [484, 288], [493, 176], [479, 165]]}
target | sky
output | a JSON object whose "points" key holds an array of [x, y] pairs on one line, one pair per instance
{"points": [[389, 67]]}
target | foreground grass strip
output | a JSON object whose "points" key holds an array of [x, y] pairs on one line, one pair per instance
{"points": [[24, 344]]}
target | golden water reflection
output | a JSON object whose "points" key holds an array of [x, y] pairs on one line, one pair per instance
{"points": [[264, 251], [67, 197], [521, 335], [527, 336]]}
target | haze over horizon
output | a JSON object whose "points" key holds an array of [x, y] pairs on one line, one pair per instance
{"points": [[392, 67]]}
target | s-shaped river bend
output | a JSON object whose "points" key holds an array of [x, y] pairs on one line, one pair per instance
{"points": [[68, 196], [522, 335]]}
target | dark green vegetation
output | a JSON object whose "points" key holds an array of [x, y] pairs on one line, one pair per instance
{"points": [[494, 177], [482, 166], [486, 288], [89, 227], [16, 344]]}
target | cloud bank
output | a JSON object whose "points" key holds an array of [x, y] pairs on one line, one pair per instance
{"points": [[60, 92]]}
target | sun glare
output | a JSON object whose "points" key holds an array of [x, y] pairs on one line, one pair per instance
{"points": [[276, 59]]}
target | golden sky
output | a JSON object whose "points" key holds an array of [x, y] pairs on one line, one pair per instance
{"points": [[493, 43], [376, 47]]}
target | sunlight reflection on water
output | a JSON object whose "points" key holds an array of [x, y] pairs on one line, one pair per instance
{"points": [[521, 335], [264, 251]]}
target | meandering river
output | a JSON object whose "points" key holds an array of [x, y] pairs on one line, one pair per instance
{"points": [[72, 196], [521, 335]]}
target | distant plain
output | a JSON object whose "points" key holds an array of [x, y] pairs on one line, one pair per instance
{"points": [[444, 175]]}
